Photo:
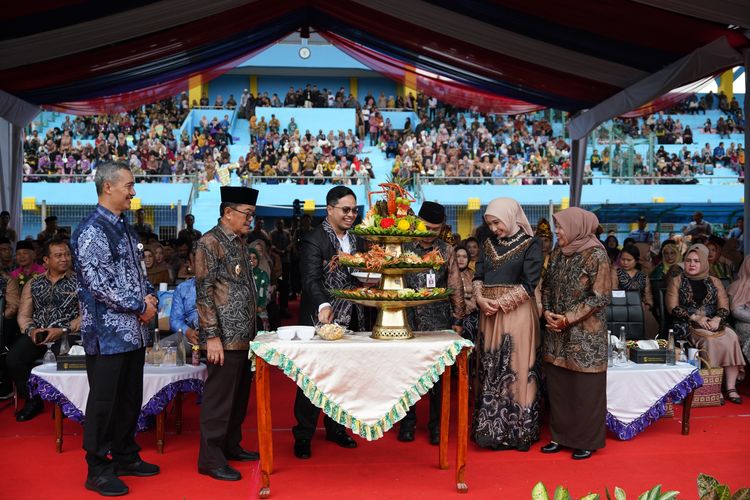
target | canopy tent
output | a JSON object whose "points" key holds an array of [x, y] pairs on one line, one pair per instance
{"points": [[504, 56]]}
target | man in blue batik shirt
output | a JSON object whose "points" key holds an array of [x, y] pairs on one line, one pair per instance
{"points": [[184, 315], [117, 302]]}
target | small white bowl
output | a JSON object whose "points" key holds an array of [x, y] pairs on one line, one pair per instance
{"points": [[367, 278], [305, 332], [286, 332]]}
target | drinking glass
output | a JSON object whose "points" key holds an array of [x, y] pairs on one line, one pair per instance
{"points": [[683, 355], [49, 357]]}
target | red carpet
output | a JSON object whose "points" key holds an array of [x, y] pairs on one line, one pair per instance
{"points": [[386, 468]]}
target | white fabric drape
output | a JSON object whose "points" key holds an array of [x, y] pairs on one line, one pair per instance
{"points": [[11, 172], [633, 390], [362, 383], [74, 385], [706, 60], [728, 12]]}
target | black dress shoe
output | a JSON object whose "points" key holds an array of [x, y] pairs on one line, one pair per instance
{"points": [[244, 456], [139, 469], [107, 486], [223, 473], [31, 409], [434, 436], [302, 449], [582, 454], [406, 435], [551, 447], [342, 439]]}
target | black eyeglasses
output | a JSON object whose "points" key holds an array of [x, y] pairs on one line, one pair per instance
{"points": [[248, 215], [347, 210]]}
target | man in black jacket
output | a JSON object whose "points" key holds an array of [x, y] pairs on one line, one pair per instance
{"points": [[317, 304]]}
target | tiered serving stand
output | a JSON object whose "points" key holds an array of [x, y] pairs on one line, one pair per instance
{"points": [[392, 323]]}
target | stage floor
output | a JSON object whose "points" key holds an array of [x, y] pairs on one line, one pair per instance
{"points": [[717, 445]]}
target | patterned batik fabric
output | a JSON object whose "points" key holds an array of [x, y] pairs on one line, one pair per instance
{"points": [[340, 278], [225, 289], [54, 304], [687, 306], [501, 422], [580, 287], [439, 315], [112, 284]]}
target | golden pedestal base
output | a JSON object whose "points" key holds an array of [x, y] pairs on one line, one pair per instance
{"points": [[392, 324]]}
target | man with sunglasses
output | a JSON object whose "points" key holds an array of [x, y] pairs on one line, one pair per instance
{"points": [[226, 303], [317, 305]]}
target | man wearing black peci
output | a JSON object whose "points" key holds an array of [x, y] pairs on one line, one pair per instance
{"points": [[317, 248], [226, 302]]}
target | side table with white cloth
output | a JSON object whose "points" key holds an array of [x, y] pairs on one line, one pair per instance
{"points": [[637, 393], [366, 385], [69, 391]]}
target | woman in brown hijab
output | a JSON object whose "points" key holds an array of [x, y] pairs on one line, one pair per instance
{"points": [[739, 298], [575, 291], [700, 308], [507, 272]]}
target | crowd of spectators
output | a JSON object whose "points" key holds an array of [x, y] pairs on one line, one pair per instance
{"points": [[143, 137], [450, 146], [445, 146]]}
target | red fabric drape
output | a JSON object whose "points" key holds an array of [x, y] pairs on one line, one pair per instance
{"points": [[668, 100], [130, 100], [445, 89]]}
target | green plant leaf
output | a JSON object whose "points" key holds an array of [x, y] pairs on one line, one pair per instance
{"points": [[706, 484], [741, 494], [590, 496], [561, 493], [619, 493], [723, 492], [655, 492], [669, 495], [539, 492]]}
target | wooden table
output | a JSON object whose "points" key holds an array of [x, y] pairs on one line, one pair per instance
{"points": [[161, 420], [68, 391], [265, 439]]}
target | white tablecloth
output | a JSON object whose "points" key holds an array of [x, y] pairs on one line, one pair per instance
{"points": [[636, 394], [70, 389], [365, 384]]}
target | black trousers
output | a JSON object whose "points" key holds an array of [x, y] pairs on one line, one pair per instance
{"points": [[224, 406], [115, 397], [433, 424], [21, 360], [307, 413]]}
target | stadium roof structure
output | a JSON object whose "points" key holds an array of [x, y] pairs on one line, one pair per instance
{"points": [[599, 59]]}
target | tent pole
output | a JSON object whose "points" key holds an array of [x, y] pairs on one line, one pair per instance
{"points": [[746, 229], [578, 161]]}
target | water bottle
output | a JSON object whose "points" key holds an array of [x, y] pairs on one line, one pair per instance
{"points": [[157, 354], [670, 348], [180, 358], [610, 358], [623, 354]]}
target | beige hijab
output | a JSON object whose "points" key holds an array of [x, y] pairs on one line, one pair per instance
{"points": [[580, 227], [510, 214], [739, 290], [702, 251]]}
